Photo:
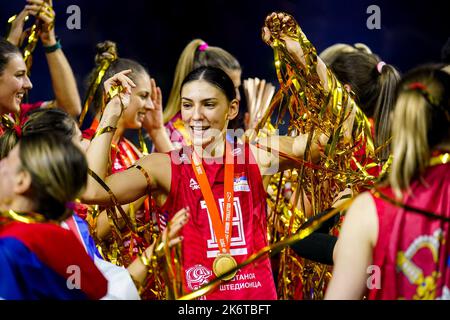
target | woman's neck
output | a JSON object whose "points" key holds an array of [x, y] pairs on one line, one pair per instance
{"points": [[215, 149], [19, 204]]}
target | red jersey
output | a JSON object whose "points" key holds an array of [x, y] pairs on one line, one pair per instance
{"points": [[413, 250], [249, 231]]}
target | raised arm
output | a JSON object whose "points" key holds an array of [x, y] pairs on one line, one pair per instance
{"points": [[15, 33], [295, 47], [131, 184], [63, 80]]}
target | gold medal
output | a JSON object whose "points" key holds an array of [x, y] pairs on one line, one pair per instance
{"points": [[224, 263]]}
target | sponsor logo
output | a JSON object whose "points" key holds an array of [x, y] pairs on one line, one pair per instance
{"points": [[197, 276], [241, 183], [194, 185]]}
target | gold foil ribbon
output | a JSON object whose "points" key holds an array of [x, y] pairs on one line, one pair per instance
{"points": [[105, 62], [314, 109], [304, 231]]}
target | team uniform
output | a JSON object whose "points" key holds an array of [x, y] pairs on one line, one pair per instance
{"points": [[413, 251], [253, 282]]}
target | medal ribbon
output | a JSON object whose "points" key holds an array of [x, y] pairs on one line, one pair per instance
{"points": [[221, 230]]}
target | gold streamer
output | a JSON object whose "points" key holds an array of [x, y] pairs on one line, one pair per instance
{"points": [[304, 231], [142, 143], [32, 38], [314, 110], [28, 217], [105, 62]]}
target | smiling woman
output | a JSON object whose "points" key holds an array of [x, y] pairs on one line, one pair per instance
{"points": [[14, 82], [211, 177], [206, 109], [144, 97]]}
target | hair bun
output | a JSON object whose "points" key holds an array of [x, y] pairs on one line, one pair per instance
{"points": [[106, 50]]}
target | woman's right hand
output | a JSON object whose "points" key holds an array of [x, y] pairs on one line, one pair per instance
{"points": [[118, 90], [177, 222], [285, 28], [170, 234]]}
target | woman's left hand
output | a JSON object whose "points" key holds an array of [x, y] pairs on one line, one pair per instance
{"points": [[45, 13], [154, 116]]}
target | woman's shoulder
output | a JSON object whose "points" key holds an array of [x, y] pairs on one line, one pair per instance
{"points": [[34, 232]]}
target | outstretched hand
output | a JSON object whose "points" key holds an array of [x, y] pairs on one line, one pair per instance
{"points": [[178, 221], [170, 234]]}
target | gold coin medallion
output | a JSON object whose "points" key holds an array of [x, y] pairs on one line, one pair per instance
{"points": [[224, 263]]}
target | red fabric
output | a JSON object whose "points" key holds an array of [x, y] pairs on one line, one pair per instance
{"points": [[59, 249], [400, 230], [27, 107], [255, 281], [123, 154], [361, 155], [24, 109]]}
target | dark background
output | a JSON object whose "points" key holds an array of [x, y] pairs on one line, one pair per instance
{"points": [[155, 32]]}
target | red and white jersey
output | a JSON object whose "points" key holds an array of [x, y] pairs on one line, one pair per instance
{"points": [[413, 251], [249, 231]]}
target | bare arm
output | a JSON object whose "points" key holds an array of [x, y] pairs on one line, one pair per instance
{"points": [[16, 32], [290, 148], [131, 184], [353, 252], [63, 80]]}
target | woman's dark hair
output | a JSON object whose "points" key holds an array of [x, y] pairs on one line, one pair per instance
{"points": [[39, 121], [374, 84], [58, 172], [214, 76], [106, 50], [7, 50], [195, 55], [445, 52]]}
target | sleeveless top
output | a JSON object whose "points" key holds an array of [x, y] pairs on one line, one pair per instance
{"points": [[249, 231], [413, 250]]}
